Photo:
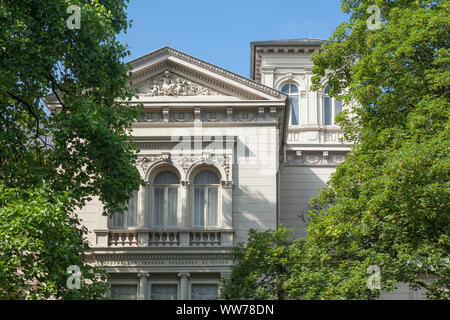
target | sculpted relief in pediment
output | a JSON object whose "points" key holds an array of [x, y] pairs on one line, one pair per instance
{"points": [[170, 84]]}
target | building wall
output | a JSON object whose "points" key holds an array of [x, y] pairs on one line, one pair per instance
{"points": [[298, 185], [313, 149]]}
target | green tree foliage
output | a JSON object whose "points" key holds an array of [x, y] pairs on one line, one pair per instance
{"points": [[57, 160], [387, 204], [262, 266], [40, 238], [91, 151]]}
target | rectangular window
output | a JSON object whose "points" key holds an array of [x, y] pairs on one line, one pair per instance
{"points": [[212, 207], [337, 107], [159, 207], [124, 291], [172, 219], [327, 110], [132, 211], [117, 220], [295, 111], [164, 292], [199, 207], [204, 292]]}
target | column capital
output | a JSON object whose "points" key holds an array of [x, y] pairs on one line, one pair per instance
{"points": [[143, 275], [184, 275]]}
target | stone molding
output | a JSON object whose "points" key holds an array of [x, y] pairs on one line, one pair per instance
{"points": [[167, 259], [210, 115]]}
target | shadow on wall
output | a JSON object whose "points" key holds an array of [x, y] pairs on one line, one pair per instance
{"points": [[297, 186]]}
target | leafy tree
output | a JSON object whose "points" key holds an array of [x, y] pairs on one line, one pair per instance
{"points": [[387, 204], [262, 266], [40, 238], [83, 148], [91, 151]]}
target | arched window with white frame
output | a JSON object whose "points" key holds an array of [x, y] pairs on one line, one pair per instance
{"points": [[331, 108], [165, 199], [206, 187], [292, 90]]}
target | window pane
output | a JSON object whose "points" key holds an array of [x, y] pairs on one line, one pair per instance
{"points": [[327, 110], [294, 113], [212, 207], [117, 220], [337, 107], [293, 88], [164, 291], [289, 88], [173, 207], [204, 292], [166, 177], [159, 207], [132, 210], [206, 177], [199, 207], [124, 291]]}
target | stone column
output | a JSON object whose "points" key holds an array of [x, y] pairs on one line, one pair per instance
{"points": [[143, 280], [184, 278]]}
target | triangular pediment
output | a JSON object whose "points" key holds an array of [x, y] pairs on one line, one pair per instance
{"points": [[167, 75], [171, 76]]}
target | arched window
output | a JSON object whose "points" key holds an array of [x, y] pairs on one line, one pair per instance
{"points": [[292, 90], [165, 199], [206, 199], [127, 217], [331, 108]]}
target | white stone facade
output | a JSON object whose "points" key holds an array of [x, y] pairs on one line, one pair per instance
{"points": [[173, 241]]}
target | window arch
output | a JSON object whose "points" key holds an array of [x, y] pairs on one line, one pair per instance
{"points": [[165, 199], [331, 107], [206, 187], [292, 90]]}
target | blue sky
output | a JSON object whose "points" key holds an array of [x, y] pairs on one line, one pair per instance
{"points": [[220, 32]]}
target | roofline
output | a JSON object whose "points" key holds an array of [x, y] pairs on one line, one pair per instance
{"points": [[228, 74], [287, 43]]}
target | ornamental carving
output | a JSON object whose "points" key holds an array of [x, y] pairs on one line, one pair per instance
{"points": [[145, 161], [315, 158], [168, 84]]}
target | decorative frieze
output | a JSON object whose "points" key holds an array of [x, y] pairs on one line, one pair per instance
{"points": [[187, 161], [314, 158], [197, 114], [164, 259], [169, 84]]}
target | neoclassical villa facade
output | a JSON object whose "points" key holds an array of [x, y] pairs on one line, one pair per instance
{"points": [[220, 154]]}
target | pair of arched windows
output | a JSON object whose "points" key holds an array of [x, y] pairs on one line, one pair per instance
{"points": [[166, 207], [331, 106]]}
